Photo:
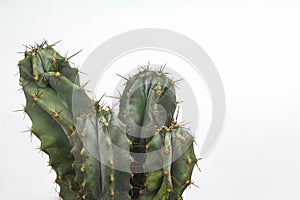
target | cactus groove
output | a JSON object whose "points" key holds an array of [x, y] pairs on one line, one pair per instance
{"points": [[139, 153]]}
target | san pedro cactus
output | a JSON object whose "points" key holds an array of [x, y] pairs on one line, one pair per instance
{"points": [[141, 153]]}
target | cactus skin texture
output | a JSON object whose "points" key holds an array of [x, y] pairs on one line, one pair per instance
{"points": [[158, 156]]}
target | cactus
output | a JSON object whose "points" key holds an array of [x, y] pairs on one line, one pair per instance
{"points": [[86, 146]]}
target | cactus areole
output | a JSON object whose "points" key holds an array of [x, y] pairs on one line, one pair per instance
{"points": [[139, 153]]}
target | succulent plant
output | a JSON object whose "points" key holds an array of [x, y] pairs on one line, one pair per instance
{"points": [[140, 153]]}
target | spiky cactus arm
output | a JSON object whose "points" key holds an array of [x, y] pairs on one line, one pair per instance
{"points": [[155, 163], [54, 141], [146, 106], [147, 103], [115, 156], [173, 148], [183, 155], [91, 186], [47, 67], [166, 186], [104, 138], [51, 83]]}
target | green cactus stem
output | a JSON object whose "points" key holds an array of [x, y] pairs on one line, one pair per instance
{"points": [[141, 153]]}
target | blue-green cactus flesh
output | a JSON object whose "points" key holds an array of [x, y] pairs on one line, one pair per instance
{"points": [[139, 153]]}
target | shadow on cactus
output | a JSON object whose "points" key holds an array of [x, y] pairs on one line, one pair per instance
{"points": [[140, 153]]}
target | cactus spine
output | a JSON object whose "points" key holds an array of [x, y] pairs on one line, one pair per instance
{"points": [[86, 146]]}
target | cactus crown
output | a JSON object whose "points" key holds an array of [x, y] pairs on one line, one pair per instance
{"points": [[140, 153]]}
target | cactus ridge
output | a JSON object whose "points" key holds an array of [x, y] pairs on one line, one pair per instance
{"points": [[141, 153]]}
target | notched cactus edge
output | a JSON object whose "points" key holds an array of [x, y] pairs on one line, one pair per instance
{"points": [[158, 156]]}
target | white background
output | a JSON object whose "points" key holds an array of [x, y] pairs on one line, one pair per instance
{"points": [[255, 46]]}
